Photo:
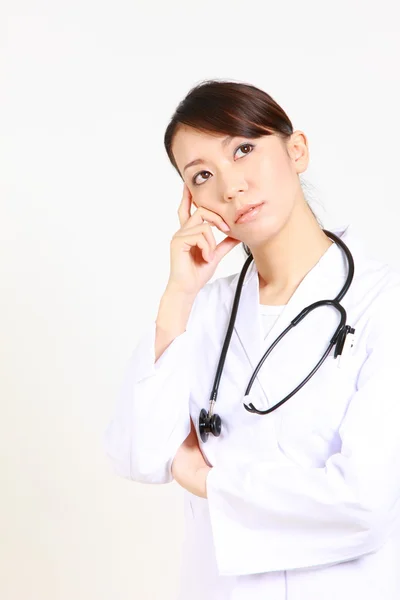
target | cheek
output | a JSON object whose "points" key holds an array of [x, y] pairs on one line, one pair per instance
{"points": [[279, 170], [278, 180]]}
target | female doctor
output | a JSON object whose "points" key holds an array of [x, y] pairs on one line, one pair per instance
{"points": [[271, 395]]}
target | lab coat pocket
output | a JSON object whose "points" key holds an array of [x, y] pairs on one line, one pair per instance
{"points": [[308, 423]]}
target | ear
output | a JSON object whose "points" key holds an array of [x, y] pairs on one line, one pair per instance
{"points": [[298, 151]]}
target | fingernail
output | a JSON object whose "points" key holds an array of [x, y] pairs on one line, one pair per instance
{"points": [[225, 227]]}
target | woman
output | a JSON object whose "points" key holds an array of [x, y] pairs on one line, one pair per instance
{"points": [[301, 502]]}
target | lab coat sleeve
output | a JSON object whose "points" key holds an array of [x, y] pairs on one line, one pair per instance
{"points": [[270, 517], [151, 412]]}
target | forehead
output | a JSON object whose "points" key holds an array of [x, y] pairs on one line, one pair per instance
{"points": [[189, 144], [185, 137]]}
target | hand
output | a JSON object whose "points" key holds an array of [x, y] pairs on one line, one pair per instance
{"points": [[189, 468], [191, 263]]}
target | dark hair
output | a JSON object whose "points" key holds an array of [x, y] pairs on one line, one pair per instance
{"points": [[230, 108]]}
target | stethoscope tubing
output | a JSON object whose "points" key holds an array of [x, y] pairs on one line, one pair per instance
{"points": [[338, 338]]}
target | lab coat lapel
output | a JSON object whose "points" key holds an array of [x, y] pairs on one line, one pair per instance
{"points": [[288, 362]]}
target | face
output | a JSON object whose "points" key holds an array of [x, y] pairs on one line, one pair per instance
{"points": [[243, 171]]}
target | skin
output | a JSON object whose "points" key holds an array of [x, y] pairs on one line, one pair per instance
{"points": [[189, 469], [285, 239]]}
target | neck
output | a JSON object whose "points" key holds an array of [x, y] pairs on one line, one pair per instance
{"points": [[286, 257]]}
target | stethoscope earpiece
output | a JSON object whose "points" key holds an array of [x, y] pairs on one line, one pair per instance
{"points": [[209, 425]]}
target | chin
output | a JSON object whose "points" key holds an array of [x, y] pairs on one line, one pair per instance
{"points": [[260, 236]]}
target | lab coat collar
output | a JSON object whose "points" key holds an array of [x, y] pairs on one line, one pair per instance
{"points": [[323, 281]]}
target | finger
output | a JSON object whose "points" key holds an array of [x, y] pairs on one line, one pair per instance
{"points": [[184, 207], [204, 229], [204, 214], [191, 241]]}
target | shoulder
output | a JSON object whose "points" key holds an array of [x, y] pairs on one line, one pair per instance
{"points": [[374, 279], [377, 279], [376, 297]]}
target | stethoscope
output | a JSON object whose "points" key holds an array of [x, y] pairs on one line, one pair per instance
{"points": [[343, 338]]}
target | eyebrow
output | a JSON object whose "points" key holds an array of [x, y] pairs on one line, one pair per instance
{"points": [[197, 161]]}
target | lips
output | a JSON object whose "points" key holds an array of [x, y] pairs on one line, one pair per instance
{"points": [[245, 209]]}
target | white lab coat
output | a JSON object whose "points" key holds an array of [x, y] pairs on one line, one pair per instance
{"points": [[303, 503]]}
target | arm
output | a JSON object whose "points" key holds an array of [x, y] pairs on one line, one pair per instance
{"points": [[268, 517], [189, 467], [151, 414]]}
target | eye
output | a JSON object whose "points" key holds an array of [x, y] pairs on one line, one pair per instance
{"points": [[244, 146], [241, 146]]}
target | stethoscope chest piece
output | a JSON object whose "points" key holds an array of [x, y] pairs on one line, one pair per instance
{"points": [[343, 338], [209, 425]]}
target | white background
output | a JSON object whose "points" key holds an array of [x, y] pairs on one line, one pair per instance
{"points": [[88, 208]]}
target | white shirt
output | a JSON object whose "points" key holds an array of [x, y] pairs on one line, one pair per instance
{"points": [[269, 315]]}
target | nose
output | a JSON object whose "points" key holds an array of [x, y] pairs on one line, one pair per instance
{"points": [[233, 185]]}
